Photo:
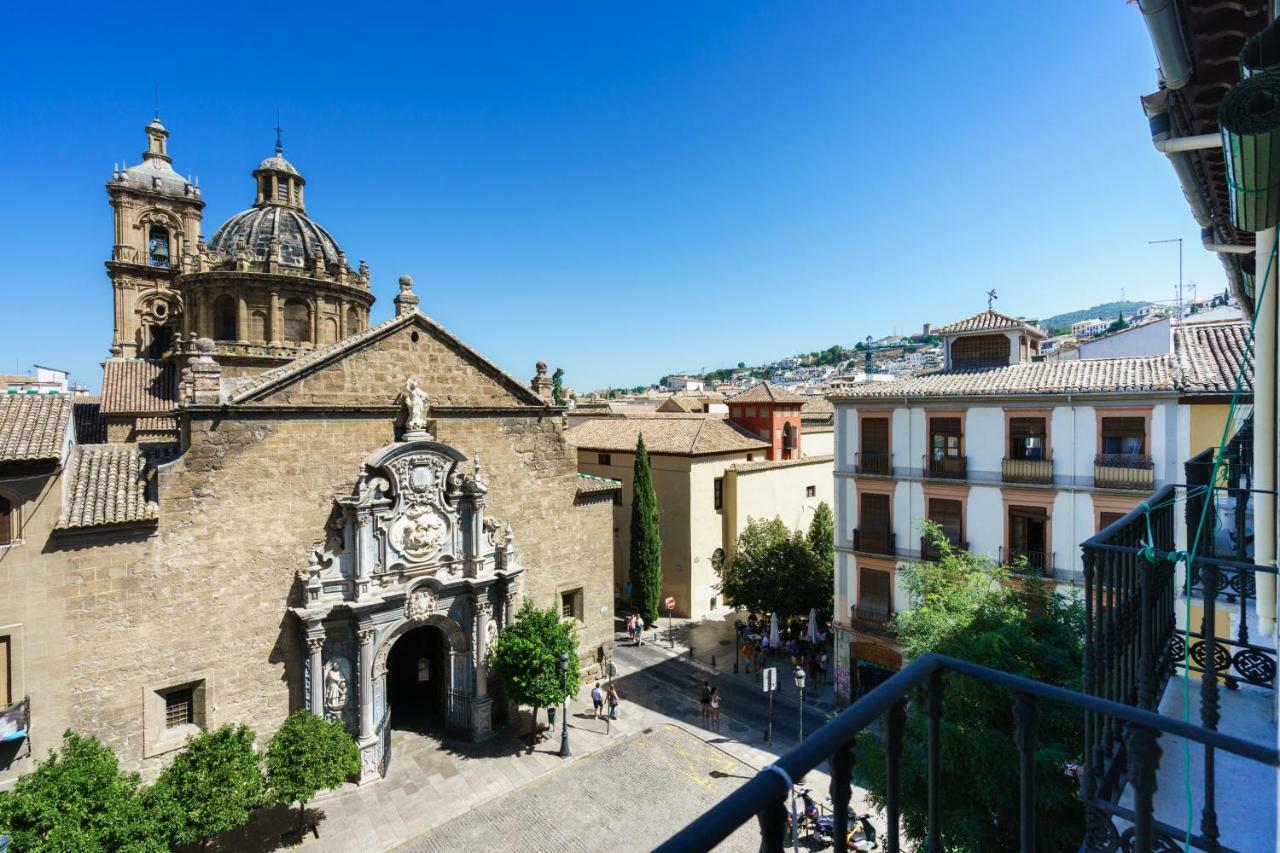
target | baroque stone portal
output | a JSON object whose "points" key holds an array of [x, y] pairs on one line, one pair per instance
{"points": [[411, 546]]}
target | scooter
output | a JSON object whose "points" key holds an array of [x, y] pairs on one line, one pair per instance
{"points": [[810, 819], [862, 834]]}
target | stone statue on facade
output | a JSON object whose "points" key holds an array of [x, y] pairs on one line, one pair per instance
{"points": [[335, 687], [415, 405]]}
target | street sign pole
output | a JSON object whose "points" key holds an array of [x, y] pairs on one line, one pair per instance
{"points": [[671, 634], [768, 731], [769, 681]]}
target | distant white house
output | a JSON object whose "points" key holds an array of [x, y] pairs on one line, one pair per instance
{"points": [[1089, 328], [47, 380], [684, 383], [1148, 311]]}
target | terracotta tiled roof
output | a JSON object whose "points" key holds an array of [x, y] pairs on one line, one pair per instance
{"points": [[687, 435], [766, 392], [132, 386], [1208, 356], [106, 484], [680, 403], [1095, 375], [90, 427], [33, 426], [255, 386], [163, 424], [590, 485], [816, 410], [768, 464], [988, 321]]}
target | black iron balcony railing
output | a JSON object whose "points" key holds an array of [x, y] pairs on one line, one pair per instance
{"points": [[872, 615], [870, 462], [872, 541], [1034, 471], [930, 551], [1219, 526], [764, 796], [947, 467], [1133, 646], [1123, 471], [1028, 561]]}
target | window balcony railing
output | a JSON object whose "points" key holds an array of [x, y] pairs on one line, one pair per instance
{"points": [[947, 467], [1028, 561], [930, 551], [872, 541], [1123, 471], [872, 616], [1034, 471], [765, 796], [869, 462]]}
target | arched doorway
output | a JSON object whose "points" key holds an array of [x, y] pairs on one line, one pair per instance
{"points": [[418, 677]]}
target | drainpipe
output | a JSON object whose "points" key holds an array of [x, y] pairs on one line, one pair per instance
{"points": [[1161, 18], [1200, 142], [1264, 444]]}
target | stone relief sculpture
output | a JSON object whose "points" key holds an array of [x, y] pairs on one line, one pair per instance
{"points": [[419, 532], [415, 404]]}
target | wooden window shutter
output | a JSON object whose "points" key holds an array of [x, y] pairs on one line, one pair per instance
{"points": [[873, 586], [875, 435], [949, 516], [6, 521], [874, 512]]}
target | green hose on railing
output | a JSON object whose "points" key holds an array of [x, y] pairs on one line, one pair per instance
{"points": [[1250, 120]]}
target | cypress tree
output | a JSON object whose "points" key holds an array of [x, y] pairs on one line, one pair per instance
{"points": [[646, 540]]}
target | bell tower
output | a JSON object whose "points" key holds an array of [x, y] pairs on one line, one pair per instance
{"points": [[157, 235]]}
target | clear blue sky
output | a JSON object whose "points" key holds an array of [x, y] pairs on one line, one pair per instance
{"points": [[622, 189]]}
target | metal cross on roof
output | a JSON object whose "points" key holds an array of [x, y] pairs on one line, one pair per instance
{"points": [[279, 131], [991, 297]]}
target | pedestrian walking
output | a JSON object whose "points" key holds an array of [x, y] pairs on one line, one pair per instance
{"points": [[822, 668], [705, 700], [639, 630], [597, 700], [631, 627], [612, 701], [715, 708]]}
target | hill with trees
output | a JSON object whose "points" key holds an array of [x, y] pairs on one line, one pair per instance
{"points": [[1107, 311]]}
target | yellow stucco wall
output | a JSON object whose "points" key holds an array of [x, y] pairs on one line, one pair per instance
{"points": [[1207, 420]]}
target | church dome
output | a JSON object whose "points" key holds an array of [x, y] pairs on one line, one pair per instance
{"points": [[301, 241], [278, 217]]}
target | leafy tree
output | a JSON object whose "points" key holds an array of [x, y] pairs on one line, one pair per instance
{"points": [[307, 755], [1118, 324], [525, 658], [742, 365], [212, 786], [774, 569], [557, 386], [822, 535], [646, 539], [968, 607], [77, 799]]}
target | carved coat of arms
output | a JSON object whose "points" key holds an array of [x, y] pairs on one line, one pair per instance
{"points": [[420, 604]]}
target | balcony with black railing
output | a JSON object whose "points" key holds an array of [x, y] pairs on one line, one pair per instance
{"points": [[870, 540], [872, 616], [1037, 472], [947, 467], [1124, 471], [1033, 562], [870, 462]]}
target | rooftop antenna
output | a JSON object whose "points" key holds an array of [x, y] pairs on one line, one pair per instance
{"points": [[991, 297], [1177, 240], [157, 114], [279, 131]]}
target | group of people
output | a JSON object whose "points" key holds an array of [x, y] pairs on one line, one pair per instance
{"points": [[793, 644], [710, 701], [600, 698], [635, 629]]}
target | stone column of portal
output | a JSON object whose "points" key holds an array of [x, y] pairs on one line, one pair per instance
{"points": [[273, 334], [366, 682], [242, 319], [1264, 432], [481, 704], [315, 644]]}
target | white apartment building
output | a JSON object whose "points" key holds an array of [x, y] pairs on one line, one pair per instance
{"points": [[1014, 459], [1089, 328]]}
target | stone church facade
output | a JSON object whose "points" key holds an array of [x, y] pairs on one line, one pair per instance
{"points": [[274, 508]]}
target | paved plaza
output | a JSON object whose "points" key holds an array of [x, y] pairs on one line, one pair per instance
{"points": [[629, 796]]}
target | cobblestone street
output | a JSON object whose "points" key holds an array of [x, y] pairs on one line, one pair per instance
{"points": [[630, 796]]}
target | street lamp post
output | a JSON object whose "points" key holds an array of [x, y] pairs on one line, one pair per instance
{"points": [[562, 664], [799, 675]]}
